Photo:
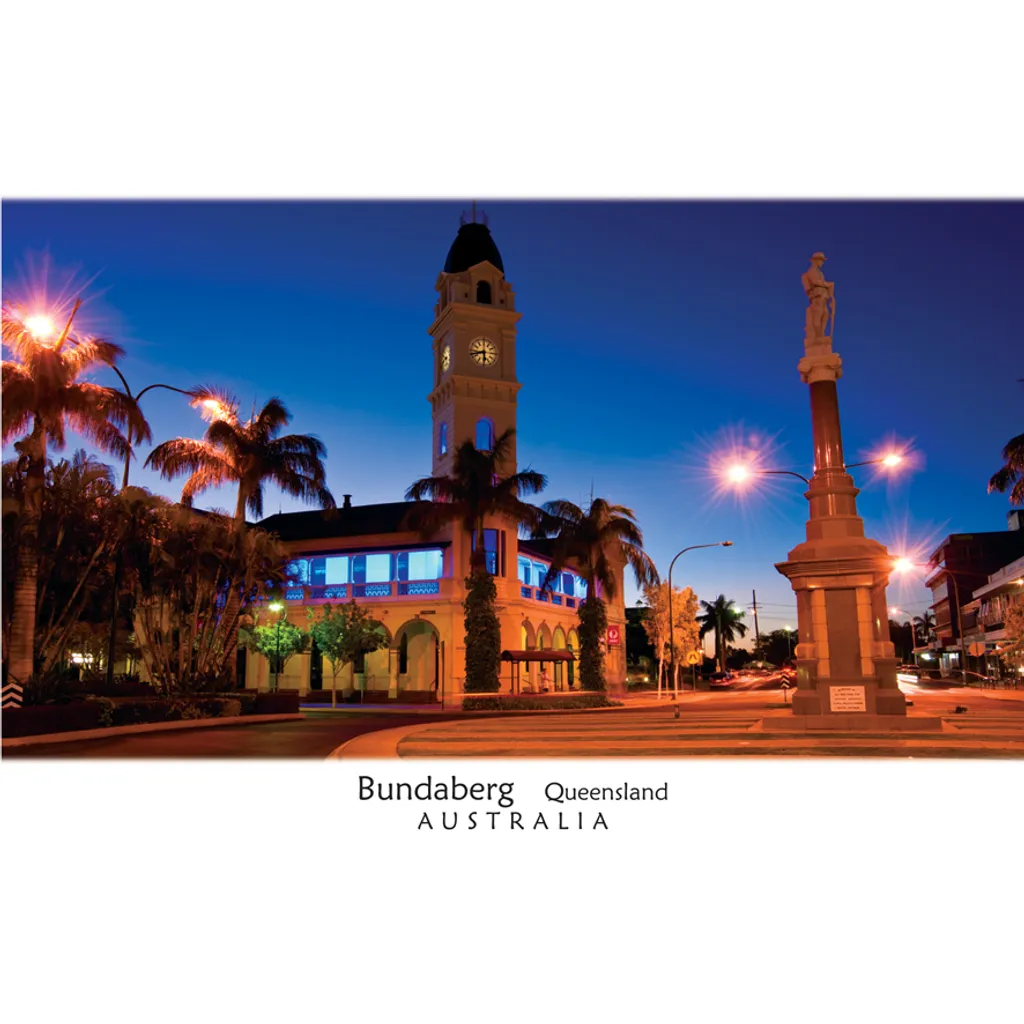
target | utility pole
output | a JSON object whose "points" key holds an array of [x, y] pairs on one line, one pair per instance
{"points": [[757, 632]]}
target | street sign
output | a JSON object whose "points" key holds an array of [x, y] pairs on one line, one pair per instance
{"points": [[693, 658], [976, 650], [614, 636]]}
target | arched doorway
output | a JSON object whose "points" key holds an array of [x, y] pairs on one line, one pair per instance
{"points": [[572, 643], [416, 652], [558, 643], [527, 642]]}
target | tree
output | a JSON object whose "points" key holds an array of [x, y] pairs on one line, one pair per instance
{"points": [[597, 541], [345, 634], [44, 396], [924, 628], [77, 539], [1011, 474], [475, 493], [686, 632], [1013, 623], [722, 617], [182, 566], [277, 643], [639, 650], [778, 645], [249, 454], [902, 636]]}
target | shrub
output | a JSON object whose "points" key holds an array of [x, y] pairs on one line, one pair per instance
{"points": [[44, 718], [574, 702], [278, 702], [132, 711], [55, 686]]}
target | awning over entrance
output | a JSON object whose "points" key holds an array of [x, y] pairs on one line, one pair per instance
{"points": [[545, 655]]}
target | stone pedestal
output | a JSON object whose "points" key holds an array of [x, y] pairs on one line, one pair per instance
{"points": [[846, 663]]}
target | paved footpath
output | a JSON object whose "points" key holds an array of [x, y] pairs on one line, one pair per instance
{"points": [[723, 725]]}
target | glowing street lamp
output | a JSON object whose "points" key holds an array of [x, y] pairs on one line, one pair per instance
{"points": [[671, 620], [890, 460], [278, 607], [40, 326]]}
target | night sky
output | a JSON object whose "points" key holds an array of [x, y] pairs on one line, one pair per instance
{"points": [[653, 335]]}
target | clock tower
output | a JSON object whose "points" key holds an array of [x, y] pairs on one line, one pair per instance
{"points": [[474, 332]]}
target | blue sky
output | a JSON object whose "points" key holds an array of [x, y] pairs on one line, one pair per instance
{"points": [[652, 333]]}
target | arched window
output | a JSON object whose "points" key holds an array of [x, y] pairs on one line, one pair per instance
{"points": [[442, 440], [484, 435], [483, 292]]}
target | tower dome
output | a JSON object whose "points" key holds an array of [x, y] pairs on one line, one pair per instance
{"points": [[473, 244]]}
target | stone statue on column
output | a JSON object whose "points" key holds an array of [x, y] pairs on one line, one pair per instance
{"points": [[820, 295]]}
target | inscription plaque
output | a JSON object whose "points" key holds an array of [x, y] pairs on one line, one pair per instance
{"points": [[847, 698]]}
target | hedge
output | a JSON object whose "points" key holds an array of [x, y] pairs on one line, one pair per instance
{"points": [[101, 712], [43, 718], [573, 702]]}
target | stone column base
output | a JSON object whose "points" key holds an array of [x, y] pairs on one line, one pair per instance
{"points": [[848, 697]]}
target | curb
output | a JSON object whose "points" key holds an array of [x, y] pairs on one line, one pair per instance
{"points": [[379, 744], [48, 738]]}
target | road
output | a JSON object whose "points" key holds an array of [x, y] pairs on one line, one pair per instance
{"points": [[315, 737], [719, 719]]}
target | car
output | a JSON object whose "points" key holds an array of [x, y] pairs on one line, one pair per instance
{"points": [[720, 679]]}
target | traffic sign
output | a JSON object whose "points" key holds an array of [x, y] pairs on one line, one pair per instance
{"points": [[693, 658], [976, 650]]}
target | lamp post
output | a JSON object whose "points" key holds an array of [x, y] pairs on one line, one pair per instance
{"points": [[671, 620], [215, 409], [278, 607], [740, 473], [788, 630]]}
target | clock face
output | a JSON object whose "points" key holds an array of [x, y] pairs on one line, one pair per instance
{"points": [[446, 357], [483, 351]]}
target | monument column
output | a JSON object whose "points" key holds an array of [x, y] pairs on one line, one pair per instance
{"points": [[846, 663]]}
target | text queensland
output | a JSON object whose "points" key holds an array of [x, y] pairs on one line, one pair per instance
{"points": [[558, 793]]}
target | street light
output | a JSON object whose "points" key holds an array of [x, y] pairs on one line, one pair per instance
{"points": [[215, 409], [740, 474], [671, 620], [902, 564], [788, 630], [277, 606]]}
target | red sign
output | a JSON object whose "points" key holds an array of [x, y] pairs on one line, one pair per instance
{"points": [[614, 636]]}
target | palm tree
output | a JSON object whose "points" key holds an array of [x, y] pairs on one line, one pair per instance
{"points": [[249, 454], [473, 493], [44, 396], [924, 627], [597, 541], [724, 618], [1011, 475]]}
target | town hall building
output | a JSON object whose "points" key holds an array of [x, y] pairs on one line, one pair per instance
{"points": [[415, 586]]}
